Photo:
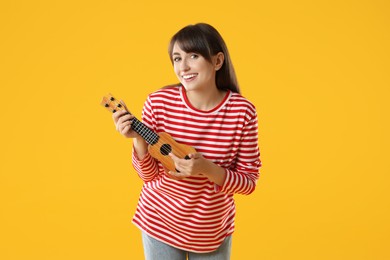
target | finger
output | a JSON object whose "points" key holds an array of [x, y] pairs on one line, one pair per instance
{"points": [[178, 175], [124, 124], [123, 119], [127, 123], [171, 176], [118, 114], [174, 157], [195, 155], [179, 164], [125, 129]]}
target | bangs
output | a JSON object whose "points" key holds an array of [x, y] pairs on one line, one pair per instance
{"points": [[190, 40]]}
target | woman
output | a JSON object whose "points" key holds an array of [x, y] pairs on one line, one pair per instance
{"points": [[190, 211]]}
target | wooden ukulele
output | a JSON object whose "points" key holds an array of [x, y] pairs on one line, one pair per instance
{"points": [[160, 145]]}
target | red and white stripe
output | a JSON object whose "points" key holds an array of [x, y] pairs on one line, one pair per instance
{"points": [[195, 214]]}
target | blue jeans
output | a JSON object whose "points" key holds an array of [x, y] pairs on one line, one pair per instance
{"points": [[157, 250]]}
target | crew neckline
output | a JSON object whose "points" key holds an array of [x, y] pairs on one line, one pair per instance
{"points": [[213, 110]]}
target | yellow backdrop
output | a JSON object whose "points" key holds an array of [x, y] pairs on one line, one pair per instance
{"points": [[318, 72]]}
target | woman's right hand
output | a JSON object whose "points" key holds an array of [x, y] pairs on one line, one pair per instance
{"points": [[123, 120]]}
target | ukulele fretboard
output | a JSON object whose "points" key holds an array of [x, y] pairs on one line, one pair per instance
{"points": [[145, 132]]}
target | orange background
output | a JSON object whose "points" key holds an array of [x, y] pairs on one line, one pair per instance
{"points": [[318, 72]]}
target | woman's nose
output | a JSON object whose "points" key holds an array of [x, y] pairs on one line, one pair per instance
{"points": [[184, 65]]}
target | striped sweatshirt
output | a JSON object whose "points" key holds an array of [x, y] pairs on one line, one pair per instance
{"points": [[195, 214]]}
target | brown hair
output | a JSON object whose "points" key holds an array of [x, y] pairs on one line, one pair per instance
{"points": [[205, 40]]}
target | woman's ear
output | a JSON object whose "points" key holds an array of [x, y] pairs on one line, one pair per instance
{"points": [[219, 58]]}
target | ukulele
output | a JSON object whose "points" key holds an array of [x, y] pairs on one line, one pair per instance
{"points": [[160, 144]]}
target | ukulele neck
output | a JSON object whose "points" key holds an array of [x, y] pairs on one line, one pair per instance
{"points": [[113, 105], [144, 131]]}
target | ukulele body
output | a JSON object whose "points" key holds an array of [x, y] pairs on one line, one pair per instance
{"points": [[165, 145]]}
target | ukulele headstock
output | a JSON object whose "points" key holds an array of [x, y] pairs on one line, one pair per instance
{"points": [[111, 103]]}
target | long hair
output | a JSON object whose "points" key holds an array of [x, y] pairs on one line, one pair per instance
{"points": [[205, 40]]}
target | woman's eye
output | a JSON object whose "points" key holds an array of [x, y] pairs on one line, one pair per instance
{"points": [[194, 56], [176, 59]]}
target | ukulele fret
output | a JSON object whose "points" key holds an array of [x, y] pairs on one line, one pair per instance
{"points": [[145, 132]]}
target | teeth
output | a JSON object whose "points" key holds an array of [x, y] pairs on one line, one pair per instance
{"points": [[189, 76]]}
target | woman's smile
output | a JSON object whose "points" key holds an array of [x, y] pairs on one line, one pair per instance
{"points": [[189, 77]]}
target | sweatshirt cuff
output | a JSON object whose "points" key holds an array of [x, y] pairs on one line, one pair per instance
{"points": [[226, 184]]}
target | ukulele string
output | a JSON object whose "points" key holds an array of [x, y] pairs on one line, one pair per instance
{"points": [[148, 134]]}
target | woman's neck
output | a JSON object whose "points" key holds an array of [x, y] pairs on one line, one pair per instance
{"points": [[205, 100]]}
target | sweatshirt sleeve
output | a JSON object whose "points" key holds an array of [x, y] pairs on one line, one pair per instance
{"points": [[243, 175], [147, 168]]}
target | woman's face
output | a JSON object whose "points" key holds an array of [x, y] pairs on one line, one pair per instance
{"points": [[193, 70]]}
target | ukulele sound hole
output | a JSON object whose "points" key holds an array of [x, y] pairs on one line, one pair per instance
{"points": [[165, 149]]}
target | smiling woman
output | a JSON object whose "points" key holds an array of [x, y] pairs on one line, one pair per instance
{"points": [[205, 41], [190, 211], [197, 75]]}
